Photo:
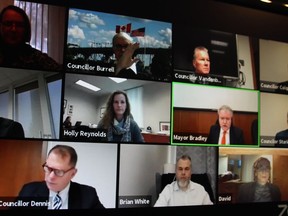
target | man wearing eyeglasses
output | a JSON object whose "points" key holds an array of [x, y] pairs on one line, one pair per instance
{"points": [[60, 168], [126, 62]]}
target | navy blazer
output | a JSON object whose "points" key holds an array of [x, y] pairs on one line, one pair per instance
{"points": [[236, 135], [79, 197], [281, 136]]}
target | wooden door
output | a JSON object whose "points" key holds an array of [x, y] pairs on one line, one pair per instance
{"points": [[21, 162]]}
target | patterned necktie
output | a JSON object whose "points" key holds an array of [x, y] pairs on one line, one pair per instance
{"points": [[57, 202], [223, 141]]}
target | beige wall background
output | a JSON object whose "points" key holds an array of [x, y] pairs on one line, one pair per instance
{"points": [[273, 60], [273, 112]]}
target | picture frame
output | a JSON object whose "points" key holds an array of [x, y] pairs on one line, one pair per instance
{"points": [[65, 103], [102, 111], [70, 110], [164, 126]]}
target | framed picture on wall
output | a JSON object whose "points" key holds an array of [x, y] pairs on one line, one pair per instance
{"points": [[70, 110], [65, 103], [102, 111], [164, 126]]}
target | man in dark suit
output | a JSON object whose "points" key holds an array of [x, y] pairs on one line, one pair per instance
{"points": [[10, 129], [282, 136], [60, 168], [223, 132]]}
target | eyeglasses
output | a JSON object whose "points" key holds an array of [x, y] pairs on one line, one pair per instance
{"points": [[10, 24], [120, 47], [266, 170], [57, 172]]}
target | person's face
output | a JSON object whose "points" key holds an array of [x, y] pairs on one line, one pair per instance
{"points": [[201, 62], [183, 173], [12, 28], [262, 176], [119, 105], [120, 46], [54, 182], [225, 119]]}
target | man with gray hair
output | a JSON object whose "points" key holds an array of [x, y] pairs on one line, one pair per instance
{"points": [[223, 132], [124, 48], [201, 60]]}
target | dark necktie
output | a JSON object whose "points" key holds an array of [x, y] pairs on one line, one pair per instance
{"points": [[57, 202]]}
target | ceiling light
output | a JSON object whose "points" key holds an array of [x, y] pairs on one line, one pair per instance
{"points": [[219, 43], [266, 1], [87, 85], [118, 80], [218, 51]]}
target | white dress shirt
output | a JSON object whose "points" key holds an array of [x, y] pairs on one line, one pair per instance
{"points": [[64, 197], [172, 195]]}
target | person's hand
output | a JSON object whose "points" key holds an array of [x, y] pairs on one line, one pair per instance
{"points": [[126, 59]]}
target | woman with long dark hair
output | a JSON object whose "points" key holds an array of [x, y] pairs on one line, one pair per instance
{"points": [[118, 120]]}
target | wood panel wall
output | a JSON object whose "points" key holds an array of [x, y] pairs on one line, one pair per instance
{"points": [[21, 162]]}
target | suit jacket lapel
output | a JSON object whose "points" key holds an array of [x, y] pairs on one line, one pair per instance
{"points": [[74, 201]]}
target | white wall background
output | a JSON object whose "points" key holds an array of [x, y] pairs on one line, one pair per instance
{"points": [[273, 114], [157, 103], [96, 166], [211, 97], [138, 167], [84, 107], [156, 100], [273, 60]]}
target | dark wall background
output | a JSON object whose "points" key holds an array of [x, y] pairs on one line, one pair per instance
{"points": [[201, 14], [248, 18], [237, 18]]}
